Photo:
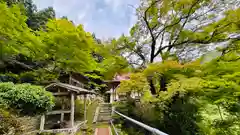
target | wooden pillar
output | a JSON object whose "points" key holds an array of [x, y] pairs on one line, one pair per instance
{"points": [[114, 95], [62, 114], [70, 79], [111, 95], [42, 122], [85, 107], [72, 109]]}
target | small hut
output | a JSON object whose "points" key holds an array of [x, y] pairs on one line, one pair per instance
{"points": [[114, 84], [64, 90]]}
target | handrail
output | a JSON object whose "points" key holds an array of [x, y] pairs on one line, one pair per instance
{"points": [[114, 129], [151, 129]]}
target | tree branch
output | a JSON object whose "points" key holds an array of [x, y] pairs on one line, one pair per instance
{"points": [[160, 46], [184, 23], [153, 44]]}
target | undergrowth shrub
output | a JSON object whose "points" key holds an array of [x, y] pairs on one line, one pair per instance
{"points": [[26, 98], [9, 125], [9, 77]]}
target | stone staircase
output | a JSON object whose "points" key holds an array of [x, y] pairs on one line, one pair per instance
{"points": [[105, 113]]}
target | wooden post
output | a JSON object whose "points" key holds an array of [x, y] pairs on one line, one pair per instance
{"points": [[72, 109], [42, 122], [85, 107], [62, 114], [70, 79], [113, 94]]}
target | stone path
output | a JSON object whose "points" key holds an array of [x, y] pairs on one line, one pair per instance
{"points": [[103, 131]]}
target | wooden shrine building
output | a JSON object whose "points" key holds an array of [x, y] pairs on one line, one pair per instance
{"points": [[113, 95], [67, 91]]}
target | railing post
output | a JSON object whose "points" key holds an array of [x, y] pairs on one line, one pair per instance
{"points": [[113, 109], [114, 129]]}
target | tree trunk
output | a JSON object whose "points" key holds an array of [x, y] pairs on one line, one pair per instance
{"points": [[152, 88], [152, 55], [163, 83]]}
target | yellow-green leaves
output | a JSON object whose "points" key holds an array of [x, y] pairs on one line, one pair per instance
{"points": [[112, 65], [138, 83], [69, 46], [185, 85], [159, 68], [15, 36]]}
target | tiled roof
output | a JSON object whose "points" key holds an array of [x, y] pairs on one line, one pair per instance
{"points": [[119, 77]]}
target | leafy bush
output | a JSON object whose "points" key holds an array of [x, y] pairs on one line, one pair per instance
{"points": [[26, 98], [28, 77], [9, 77]]}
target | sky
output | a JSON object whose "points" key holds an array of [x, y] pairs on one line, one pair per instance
{"points": [[105, 18]]}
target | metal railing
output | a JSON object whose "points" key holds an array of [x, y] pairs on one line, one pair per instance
{"points": [[151, 129], [114, 129]]}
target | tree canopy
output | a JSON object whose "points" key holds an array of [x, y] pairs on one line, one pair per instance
{"points": [[179, 29], [183, 57]]}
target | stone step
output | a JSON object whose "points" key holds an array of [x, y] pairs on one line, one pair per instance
{"points": [[105, 111], [106, 104], [101, 118], [101, 110], [106, 107], [105, 114]]}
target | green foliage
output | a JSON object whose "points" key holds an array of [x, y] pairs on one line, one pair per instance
{"points": [[58, 45], [26, 98], [39, 76], [9, 77], [39, 19], [79, 112], [15, 35], [112, 65], [162, 73], [28, 77], [111, 62], [200, 98], [36, 19], [138, 82], [66, 45], [178, 30]]}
